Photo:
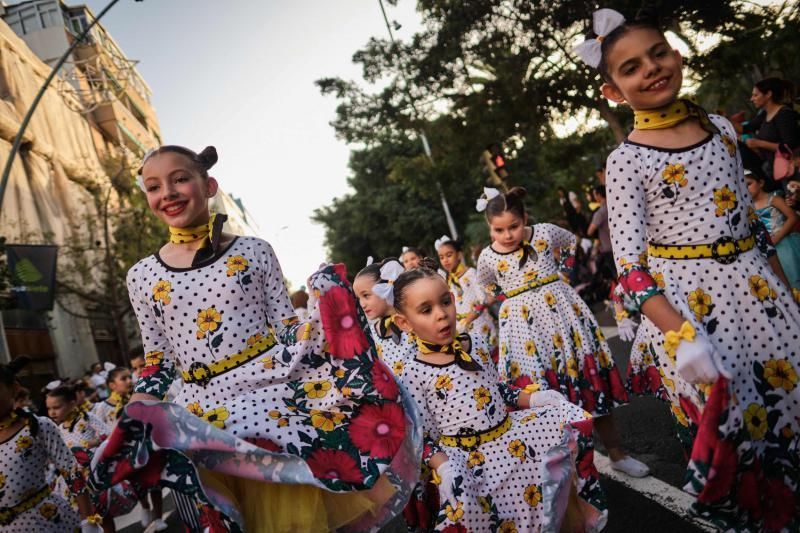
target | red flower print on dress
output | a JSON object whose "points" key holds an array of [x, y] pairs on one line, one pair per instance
{"points": [[571, 394], [779, 505], [585, 466], [265, 444], [340, 323], [618, 392], [458, 527], [748, 494], [721, 473], [335, 464], [592, 375], [378, 429], [341, 270], [589, 402], [149, 370], [523, 381], [211, 520], [636, 281], [552, 379], [653, 379], [383, 380]]}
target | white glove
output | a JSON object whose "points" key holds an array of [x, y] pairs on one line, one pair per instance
{"points": [[546, 397], [447, 476], [86, 527], [626, 329], [699, 361]]}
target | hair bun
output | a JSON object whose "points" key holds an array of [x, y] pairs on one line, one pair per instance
{"points": [[208, 157], [429, 263], [517, 192]]}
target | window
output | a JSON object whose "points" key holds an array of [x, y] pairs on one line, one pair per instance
{"points": [[33, 17]]}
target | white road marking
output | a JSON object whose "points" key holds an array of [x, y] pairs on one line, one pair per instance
{"points": [[654, 489]]}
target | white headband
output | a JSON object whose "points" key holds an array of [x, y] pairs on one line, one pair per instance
{"points": [[604, 21], [439, 242], [483, 201], [384, 288], [139, 177]]}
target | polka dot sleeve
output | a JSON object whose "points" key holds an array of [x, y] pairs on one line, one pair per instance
{"points": [[280, 312], [61, 457], [486, 273], [565, 241], [627, 220], [159, 372]]}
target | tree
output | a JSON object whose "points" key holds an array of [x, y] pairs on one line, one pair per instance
{"points": [[119, 231]]}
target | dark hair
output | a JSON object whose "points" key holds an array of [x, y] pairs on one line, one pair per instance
{"points": [[646, 18], [8, 372], [408, 278], [201, 162], [513, 201], [456, 245], [135, 356], [114, 373], [413, 250], [600, 189], [67, 392], [299, 299], [372, 271], [781, 89]]}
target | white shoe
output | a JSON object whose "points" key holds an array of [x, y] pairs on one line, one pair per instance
{"points": [[631, 467], [159, 525], [147, 517]]}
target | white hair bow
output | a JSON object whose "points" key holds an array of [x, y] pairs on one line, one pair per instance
{"points": [[139, 177], [384, 288], [53, 385], [604, 21], [405, 249], [483, 201], [370, 260], [443, 239]]}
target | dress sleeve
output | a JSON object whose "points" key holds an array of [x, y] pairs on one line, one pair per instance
{"points": [[565, 241], [159, 371], [474, 294], [280, 313], [486, 277], [60, 456], [627, 220]]}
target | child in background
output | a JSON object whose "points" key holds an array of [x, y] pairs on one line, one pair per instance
{"points": [[411, 257], [300, 304], [120, 386], [137, 364]]}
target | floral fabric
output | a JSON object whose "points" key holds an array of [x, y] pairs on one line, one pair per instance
{"points": [[744, 453], [24, 459], [321, 411], [517, 481], [548, 335]]}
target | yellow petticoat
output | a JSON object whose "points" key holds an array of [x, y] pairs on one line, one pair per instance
{"points": [[284, 508]]}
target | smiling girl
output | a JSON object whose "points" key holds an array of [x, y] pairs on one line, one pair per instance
{"points": [[279, 425], [693, 256]]}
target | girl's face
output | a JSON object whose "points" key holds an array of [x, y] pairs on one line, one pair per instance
{"points": [[122, 383], [58, 408], [507, 229], [410, 260], [449, 257], [753, 186], [373, 305], [176, 193], [429, 311], [646, 72], [759, 99]]}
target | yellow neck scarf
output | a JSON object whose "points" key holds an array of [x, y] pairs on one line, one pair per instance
{"points": [[671, 115], [118, 401], [454, 276], [9, 420], [463, 359], [210, 233]]}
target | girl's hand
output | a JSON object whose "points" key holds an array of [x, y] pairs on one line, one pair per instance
{"points": [[699, 361], [626, 329], [546, 397]]}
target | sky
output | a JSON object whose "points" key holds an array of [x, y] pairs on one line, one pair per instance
{"points": [[239, 74]]}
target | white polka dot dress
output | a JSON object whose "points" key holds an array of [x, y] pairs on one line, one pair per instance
{"points": [[748, 427], [24, 459], [105, 411], [548, 335], [470, 297], [510, 483], [394, 346]]}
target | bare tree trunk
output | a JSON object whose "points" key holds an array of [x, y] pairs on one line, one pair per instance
{"points": [[111, 272], [613, 122]]}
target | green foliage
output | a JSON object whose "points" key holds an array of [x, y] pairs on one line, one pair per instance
{"points": [[503, 71]]}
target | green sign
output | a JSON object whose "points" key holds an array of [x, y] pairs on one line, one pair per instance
{"points": [[33, 275]]}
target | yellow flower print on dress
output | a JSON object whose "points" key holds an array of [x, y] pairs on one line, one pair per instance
{"points": [[760, 288], [675, 174], [48, 510], [700, 303], [530, 275], [24, 442], [530, 348], [533, 495], [572, 367], [482, 397], [558, 341], [755, 418], [476, 458], [507, 526], [514, 370], [236, 263], [576, 339], [517, 449], [540, 245], [208, 321], [444, 382], [658, 277], [153, 358], [195, 409], [326, 420], [161, 292], [780, 374], [486, 507], [454, 515], [502, 266], [680, 416], [2, 481], [217, 417], [604, 359], [577, 310], [268, 363], [730, 144], [317, 389], [398, 368], [526, 312], [549, 299], [725, 200], [504, 312]]}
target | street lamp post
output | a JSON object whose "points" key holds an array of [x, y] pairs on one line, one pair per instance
{"points": [[24, 125]]}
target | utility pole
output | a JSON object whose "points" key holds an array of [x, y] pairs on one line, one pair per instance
{"points": [[425, 145]]}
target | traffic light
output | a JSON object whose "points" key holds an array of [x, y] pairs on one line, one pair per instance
{"points": [[494, 166]]}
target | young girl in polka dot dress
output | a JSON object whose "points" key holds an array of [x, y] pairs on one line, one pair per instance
{"points": [[723, 325], [301, 434], [28, 445], [471, 310], [497, 471], [548, 336]]}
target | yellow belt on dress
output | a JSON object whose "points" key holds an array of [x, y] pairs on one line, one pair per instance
{"points": [[534, 284], [468, 439], [8, 514], [202, 373], [724, 250]]}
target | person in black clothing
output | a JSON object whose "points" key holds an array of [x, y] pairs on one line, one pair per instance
{"points": [[776, 123], [577, 222]]}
